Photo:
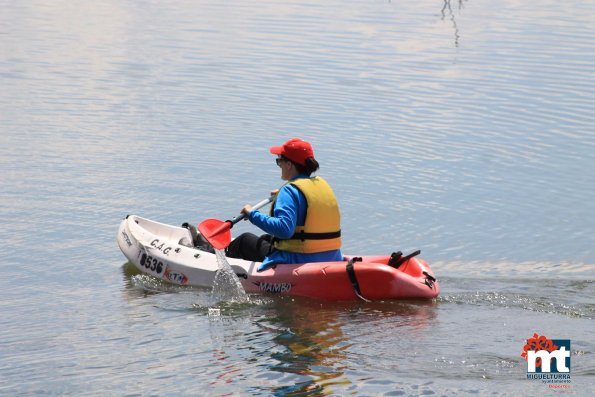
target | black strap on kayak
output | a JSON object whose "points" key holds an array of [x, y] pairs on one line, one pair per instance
{"points": [[394, 259], [315, 236], [353, 279], [430, 280], [403, 259]]}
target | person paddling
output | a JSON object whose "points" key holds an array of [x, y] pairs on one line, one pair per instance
{"points": [[304, 223]]}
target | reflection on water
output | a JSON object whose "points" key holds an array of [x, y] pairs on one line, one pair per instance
{"points": [[313, 347], [448, 13], [317, 338]]}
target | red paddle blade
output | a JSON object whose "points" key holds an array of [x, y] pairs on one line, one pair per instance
{"points": [[216, 232]]}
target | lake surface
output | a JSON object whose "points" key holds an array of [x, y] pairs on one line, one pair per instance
{"points": [[465, 129]]}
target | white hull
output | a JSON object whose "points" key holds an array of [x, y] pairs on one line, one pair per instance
{"points": [[159, 250]]}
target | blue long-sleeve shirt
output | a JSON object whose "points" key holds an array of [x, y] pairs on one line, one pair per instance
{"points": [[289, 212]]}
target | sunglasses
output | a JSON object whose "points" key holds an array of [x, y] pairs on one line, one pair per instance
{"points": [[278, 160]]}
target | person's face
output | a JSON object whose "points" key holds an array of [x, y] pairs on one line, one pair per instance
{"points": [[288, 170]]}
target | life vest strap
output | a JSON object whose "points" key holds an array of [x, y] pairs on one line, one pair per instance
{"points": [[315, 236]]}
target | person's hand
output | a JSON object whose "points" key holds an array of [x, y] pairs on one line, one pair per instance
{"points": [[246, 210], [274, 192]]}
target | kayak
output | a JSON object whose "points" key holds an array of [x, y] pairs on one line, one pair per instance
{"points": [[178, 255]]}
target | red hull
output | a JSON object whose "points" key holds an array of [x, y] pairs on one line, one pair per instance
{"points": [[331, 281]]}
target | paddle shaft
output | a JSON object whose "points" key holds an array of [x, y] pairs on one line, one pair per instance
{"points": [[229, 223], [254, 208]]}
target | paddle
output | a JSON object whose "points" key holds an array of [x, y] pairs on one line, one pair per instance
{"points": [[218, 233]]}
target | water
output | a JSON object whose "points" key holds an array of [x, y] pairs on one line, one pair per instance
{"points": [[464, 129], [227, 286]]}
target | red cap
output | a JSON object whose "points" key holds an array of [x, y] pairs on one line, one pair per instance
{"points": [[295, 149]]}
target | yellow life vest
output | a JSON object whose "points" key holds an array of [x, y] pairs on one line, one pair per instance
{"points": [[322, 228]]}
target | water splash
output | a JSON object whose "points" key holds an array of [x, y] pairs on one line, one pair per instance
{"points": [[227, 286]]}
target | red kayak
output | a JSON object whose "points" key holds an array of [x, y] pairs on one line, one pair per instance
{"points": [[365, 278]]}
